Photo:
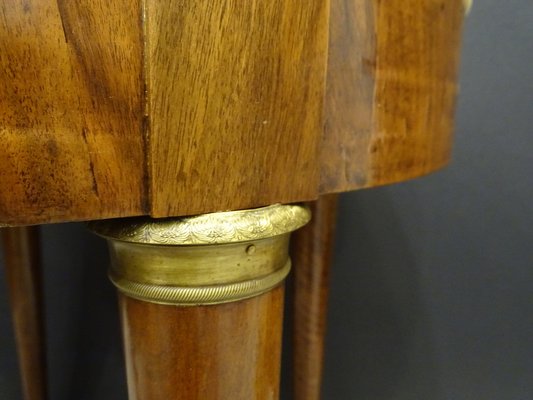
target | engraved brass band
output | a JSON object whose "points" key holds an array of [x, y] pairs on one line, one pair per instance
{"points": [[209, 259], [220, 227]]}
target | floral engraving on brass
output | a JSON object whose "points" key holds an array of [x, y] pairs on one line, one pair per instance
{"points": [[221, 227]]}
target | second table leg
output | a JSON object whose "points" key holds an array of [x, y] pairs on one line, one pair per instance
{"points": [[23, 273], [311, 252]]}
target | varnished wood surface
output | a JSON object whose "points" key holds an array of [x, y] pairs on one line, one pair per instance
{"points": [[70, 110], [235, 102], [311, 254], [229, 351], [163, 107], [391, 88], [23, 273]]}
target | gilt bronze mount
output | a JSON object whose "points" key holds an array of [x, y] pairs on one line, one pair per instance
{"points": [[203, 260]]}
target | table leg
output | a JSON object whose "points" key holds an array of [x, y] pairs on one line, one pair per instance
{"points": [[311, 253], [22, 261], [229, 351], [201, 302]]}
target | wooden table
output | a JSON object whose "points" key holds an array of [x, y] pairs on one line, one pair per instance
{"points": [[169, 109]]}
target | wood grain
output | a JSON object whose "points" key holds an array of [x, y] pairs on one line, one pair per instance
{"points": [[235, 102], [70, 110], [311, 253], [171, 108], [23, 273], [392, 83], [229, 351]]}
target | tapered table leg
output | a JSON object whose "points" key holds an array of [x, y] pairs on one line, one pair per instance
{"points": [[311, 253], [22, 261], [228, 351], [201, 302]]}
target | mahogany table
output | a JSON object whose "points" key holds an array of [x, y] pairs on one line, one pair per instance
{"points": [[191, 133]]}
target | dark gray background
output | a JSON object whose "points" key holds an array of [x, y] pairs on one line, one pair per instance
{"points": [[432, 291]]}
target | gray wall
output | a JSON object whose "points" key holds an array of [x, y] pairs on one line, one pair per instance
{"points": [[432, 292], [432, 287]]}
